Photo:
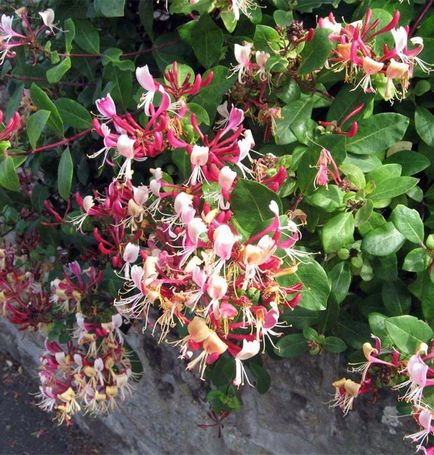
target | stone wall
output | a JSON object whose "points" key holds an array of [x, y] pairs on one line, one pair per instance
{"points": [[292, 418]]}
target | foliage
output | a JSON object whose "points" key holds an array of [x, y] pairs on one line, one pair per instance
{"points": [[302, 148]]}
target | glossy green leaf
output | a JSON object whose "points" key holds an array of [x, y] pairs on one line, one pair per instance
{"points": [[64, 174], [42, 101], [207, 41], [8, 174], [383, 240], [35, 125], [417, 260], [334, 344], [56, 73], [408, 332], [337, 232], [377, 133], [340, 279], [250, 204], [73, 113], [316, 286], [316, 51], [87, 36], [69, 34], [409, 223], [424, 122], [392, 187], [290, 346]]}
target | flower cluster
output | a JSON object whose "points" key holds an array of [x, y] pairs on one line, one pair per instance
{"points": [[185, 260], [10, 39], [91, 373], [387, 70], [412, 377]]}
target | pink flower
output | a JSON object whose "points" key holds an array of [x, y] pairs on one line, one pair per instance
{"points": [[106, 106], [425, 421], [224, 241], [249, 350], [198, 158], [242, 56], [146, 80]]}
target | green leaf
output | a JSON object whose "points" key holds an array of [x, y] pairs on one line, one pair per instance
{"points": [[340, 279], [8, 175], [377, 133], [250, 204], [42, 101], [35, 124], [338, 232], [316, 51], [411, 162], [56, 73], [87, 36], [64, 174], [354, 333], [334, 344], [423, 289], [316, 286], [40, 193], [383, 240], [73, 113], [424, 122], [291, 346], [377, 324], [69, 34], [182, 161], [417, 260], [396, 298], [110, 8], [283, 18], [122, 84], [392, 187], [409, 223], [146, 14], [293, 125], [408, 332], [266, 39], [262, 378], [136, 363], [328, 198], [207, 41], [301, 317]]}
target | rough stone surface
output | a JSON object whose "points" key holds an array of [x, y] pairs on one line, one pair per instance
{"points": [[292, 418]]}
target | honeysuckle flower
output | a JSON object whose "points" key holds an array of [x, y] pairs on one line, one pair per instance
{"points": [[226, 178], [417, 371], [125, 148], [346, 391], [370, 67], [146, 80], [48, 18], [370, 354], [396, 70], [424, 419], [244, 146], [400, 36], [249, 350], [106, 107], [261, 60], [217, 288], [87, 204], [224, 240], [198, 158], [6, 30], [131, 253], [242, 56], [244, 6], [330, 23]]}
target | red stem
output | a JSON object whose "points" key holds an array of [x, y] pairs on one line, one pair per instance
{"points": [[421, 16], [64, 141]]}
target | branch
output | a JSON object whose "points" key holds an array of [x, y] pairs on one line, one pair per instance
{"points": [[421, 16]]}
